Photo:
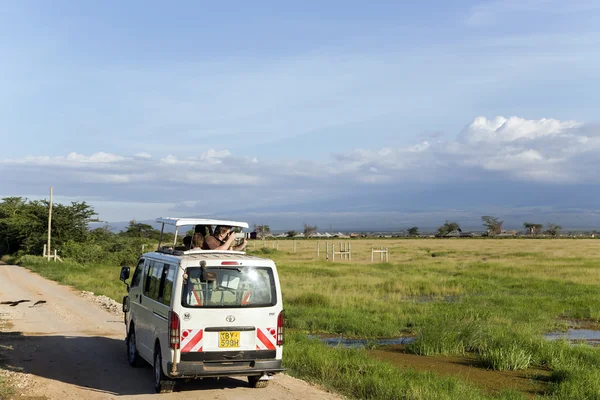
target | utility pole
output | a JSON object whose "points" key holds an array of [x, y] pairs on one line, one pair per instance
{"points": [[49, 224]]}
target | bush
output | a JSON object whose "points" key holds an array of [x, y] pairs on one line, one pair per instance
{"points": [[264, 251], [311, 300], [506, 358], [451, 334], [83, 252]]}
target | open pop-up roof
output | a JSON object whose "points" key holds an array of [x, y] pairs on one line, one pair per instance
{"points": [[199, 221], [177, 222]]}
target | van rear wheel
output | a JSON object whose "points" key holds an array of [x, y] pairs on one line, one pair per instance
{"points": [[162, 384], [255, 382]]}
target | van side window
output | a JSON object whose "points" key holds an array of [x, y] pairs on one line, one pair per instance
{"points": [[155, 279], [148, 277], [166, 284], [137, 275]]}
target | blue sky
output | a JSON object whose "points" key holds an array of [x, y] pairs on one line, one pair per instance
{"points": [[305, 111]]}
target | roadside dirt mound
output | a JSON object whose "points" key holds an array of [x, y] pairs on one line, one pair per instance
{"points": [[105, 302]]}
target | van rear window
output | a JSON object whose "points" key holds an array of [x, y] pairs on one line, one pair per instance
{"points": [[234, 287]]}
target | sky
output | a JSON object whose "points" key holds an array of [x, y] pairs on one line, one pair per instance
{"points": [[349, 114]]}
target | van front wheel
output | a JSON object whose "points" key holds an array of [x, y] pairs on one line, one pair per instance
{"points": [[162, 384], [133, 357], [255, 382]]}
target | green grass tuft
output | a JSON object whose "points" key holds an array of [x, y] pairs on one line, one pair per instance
{"points": [[502, 358], [311, 300]]}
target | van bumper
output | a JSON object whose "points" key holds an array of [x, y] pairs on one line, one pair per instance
{"points": [[187, 369]]}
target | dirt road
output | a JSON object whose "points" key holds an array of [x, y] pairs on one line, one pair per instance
{"points": [[70, 348]]}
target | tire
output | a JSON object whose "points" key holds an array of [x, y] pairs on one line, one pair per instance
{"points": [[133, 357], [162, 384], [256, 383]]}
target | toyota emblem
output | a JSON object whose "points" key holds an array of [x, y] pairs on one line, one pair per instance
{"points": [[230, 318]]}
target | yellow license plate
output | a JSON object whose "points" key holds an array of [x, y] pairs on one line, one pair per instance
{"points": [[229, 339]]}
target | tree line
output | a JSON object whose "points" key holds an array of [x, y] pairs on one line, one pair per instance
{"points": [[24, 230], [262, 231], [493, 226]]}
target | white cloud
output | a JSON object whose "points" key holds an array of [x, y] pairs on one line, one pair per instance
{"points": [[496, 149], [544, 149], [71, 159], [492, 12], [94, 158], [170, 159], [502, 129], [143, 155]]}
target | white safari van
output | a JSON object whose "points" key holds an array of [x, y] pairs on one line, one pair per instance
{"points": [[203, 313]]}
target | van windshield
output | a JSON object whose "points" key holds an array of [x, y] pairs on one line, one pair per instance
{"points": [[234, 287]]}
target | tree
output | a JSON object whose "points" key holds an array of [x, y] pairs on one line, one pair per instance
{"points": [[309, 230], [139, 230], [447, 228], [533, 229], [262, 231], [414, 231], [101, 234], [292, 233], [24, 224], [492, 224], [553, 229]]}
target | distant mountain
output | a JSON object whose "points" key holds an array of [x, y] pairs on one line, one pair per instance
{"points": [[572, 206]]}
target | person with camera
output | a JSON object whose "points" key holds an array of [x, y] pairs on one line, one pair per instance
{"points": [[223, 239]]}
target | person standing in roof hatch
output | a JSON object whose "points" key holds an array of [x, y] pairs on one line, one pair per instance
{"points": [[222, 240], [197, 241]]}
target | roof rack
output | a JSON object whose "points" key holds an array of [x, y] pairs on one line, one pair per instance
{"points": [[175, 252], [177, 222]]}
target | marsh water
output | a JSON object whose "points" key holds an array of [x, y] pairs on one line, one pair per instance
{"points": [[370, 343], [590, 336], [572, 335]]}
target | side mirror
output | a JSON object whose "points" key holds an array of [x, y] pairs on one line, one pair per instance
{"points": [[124, 273]]}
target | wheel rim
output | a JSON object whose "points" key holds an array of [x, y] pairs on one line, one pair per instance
{"points": [[131, 346], [157, 371]]}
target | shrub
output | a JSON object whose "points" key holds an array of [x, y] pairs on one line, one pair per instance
{"points": [[311, 300], [506, 358], [264, 250]]}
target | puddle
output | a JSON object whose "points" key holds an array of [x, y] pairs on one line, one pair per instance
{"points": [[587, 335], [340, 341]]}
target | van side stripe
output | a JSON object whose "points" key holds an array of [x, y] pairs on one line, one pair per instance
{"points": [[194, 341], [265, 340]]}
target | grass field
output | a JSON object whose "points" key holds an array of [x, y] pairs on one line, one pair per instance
{"points": [[490, 300]]}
